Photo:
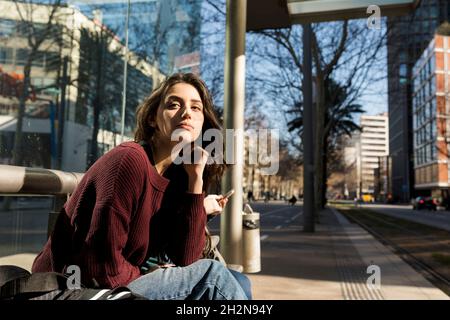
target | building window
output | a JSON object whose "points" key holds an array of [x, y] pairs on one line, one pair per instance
{"points": [[7, 28], [430, 152], [425, 25], [416, 83], [414, 121], [424, 119], [433, 85], [428, 66], [433, 130], [433, 107], [403, 70], [402, 57], [434, 12], [420, 155], [21, 56], [6, 55]]}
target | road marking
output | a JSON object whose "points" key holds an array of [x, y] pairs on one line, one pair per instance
{"points": [[276, 210], [264, 237], [296, 216], [277, 227]]}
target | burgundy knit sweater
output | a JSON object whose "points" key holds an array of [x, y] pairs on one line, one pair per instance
{"points": [[122, 212]]}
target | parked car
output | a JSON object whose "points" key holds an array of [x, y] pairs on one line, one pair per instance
{"points": [[428, 203], [368, 198], [446, 203]]}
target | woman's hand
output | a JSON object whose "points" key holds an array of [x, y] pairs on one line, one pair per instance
{"points": [[214, 204], [195, 170]]}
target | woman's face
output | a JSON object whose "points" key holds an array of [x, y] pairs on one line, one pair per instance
{"points": [[181, 110]]}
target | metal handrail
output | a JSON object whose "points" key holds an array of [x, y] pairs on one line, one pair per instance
{"points": [[15, 180], [24, 180]]}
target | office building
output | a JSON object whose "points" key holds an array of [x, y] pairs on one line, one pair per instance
{"points": [[90, 98], [374, 148], [407, 38]]}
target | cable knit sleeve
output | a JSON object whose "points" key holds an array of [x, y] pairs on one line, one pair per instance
{"points": [[109, 230], [188, 240]]}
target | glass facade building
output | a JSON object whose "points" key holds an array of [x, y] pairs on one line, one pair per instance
{"points": [[163, 37], [164, 32], [408, 37]]}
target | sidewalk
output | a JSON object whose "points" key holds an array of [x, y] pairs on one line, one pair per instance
{"points": [[331, 264]]}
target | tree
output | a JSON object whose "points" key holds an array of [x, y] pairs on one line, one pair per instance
{"points": [[40, 37], [346, 51], [341, 50], [100, 77], [338, 122]]}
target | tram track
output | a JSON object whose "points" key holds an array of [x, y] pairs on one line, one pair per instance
{"points": [[437, 278]]}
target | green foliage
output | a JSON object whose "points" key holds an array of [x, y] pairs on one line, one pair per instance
{"points": [[340, 112]]}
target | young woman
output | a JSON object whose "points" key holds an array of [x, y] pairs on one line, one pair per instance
{"points": [[135, 203]]}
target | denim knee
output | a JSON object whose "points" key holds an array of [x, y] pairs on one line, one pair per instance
{"points": [[244, 281], [223, 276]]}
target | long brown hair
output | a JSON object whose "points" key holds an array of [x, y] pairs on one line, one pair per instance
{"points": [[146, 113]]}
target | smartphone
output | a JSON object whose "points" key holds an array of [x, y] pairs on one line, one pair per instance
{"points": [[225, 196], [228, 194]]}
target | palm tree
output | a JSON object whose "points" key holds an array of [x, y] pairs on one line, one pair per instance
{"points": [[340, 110]]}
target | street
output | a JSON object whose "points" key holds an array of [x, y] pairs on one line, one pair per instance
{"points": [[24, 228], [438, 219], [274, 215]]}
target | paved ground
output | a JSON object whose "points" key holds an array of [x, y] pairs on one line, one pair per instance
{"points": [[332, 264]]}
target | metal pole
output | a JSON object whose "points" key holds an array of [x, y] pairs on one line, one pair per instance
{"points": [[61, 114], [125, 74], [53, 143], [234, 100], [308, 146]]}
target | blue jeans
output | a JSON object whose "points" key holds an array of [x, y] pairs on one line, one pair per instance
{"points": [[203, 280], [244, 282]]}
